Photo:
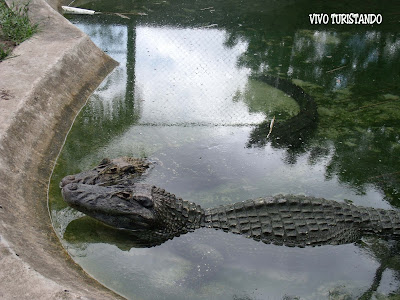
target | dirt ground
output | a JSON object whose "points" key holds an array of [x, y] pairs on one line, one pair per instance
{"points": [[7, 45]]}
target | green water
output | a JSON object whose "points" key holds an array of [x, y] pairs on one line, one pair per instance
{"points": [[187, 96]]}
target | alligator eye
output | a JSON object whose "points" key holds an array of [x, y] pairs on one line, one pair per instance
{"points": [[145, 201], [129, 169], [124, 195]]}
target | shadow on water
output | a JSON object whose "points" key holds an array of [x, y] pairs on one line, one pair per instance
{"points": [[292, 134]]}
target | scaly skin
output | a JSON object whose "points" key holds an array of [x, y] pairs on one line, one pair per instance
{"points": [[283, 220], [121, 170], [300, 221], [135, 207]]}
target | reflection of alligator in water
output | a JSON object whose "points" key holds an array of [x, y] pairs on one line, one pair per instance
{"points": [[282, 220], [218, 251], [291, 133]]}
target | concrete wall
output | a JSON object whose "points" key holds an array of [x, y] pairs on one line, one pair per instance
{"points": [[42, 88]]}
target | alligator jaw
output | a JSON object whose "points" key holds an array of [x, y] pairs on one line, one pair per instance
{"points": [[67, 191], [115, 206]]}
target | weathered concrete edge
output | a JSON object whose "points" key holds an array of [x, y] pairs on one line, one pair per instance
{"points": [[41, 90]]}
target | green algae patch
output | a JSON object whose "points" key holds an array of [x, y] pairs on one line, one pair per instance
{"points": [[261, 97]]}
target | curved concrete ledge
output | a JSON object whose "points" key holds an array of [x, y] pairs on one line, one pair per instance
{"points": [[41, 90]]}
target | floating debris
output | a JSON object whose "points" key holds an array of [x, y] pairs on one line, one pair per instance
{"points": [[270, 126], [207, 26], [131, 13], [336, 69], [82, 11], [77, 10], [122, 16]]}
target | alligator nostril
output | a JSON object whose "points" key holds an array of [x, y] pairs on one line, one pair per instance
{"points": [[66, 180], [73, 186]]}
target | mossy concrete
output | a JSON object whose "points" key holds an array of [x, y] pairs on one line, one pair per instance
{"points": [[43, 85]]}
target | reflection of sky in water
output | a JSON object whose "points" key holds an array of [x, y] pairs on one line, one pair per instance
{"points": [[234, 264], [188, 76], [211, 166], [182, 76], [392, 47], [113, 40]]}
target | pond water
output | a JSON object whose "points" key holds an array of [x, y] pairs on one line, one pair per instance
{"points": [[188, 96]]}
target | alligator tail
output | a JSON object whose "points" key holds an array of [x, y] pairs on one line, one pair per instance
{"points": [[300, 221]]}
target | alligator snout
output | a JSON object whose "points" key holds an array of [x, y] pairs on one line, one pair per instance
{"points": [[66, 180], [67, 191]]}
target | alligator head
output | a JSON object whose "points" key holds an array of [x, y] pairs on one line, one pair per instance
{"points": [[122, 207], [135, 207], [110, 172]]}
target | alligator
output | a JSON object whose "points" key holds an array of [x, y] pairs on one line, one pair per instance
{"points": [[295, 221]]}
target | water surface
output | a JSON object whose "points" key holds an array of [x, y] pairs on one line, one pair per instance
{"points": [[187, 96]]}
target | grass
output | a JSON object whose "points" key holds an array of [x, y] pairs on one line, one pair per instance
{"points": [[3, 52], [15, 27]]}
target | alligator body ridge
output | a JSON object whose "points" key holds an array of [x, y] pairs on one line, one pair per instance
{"points": [[283, 220], [300, 221]]}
